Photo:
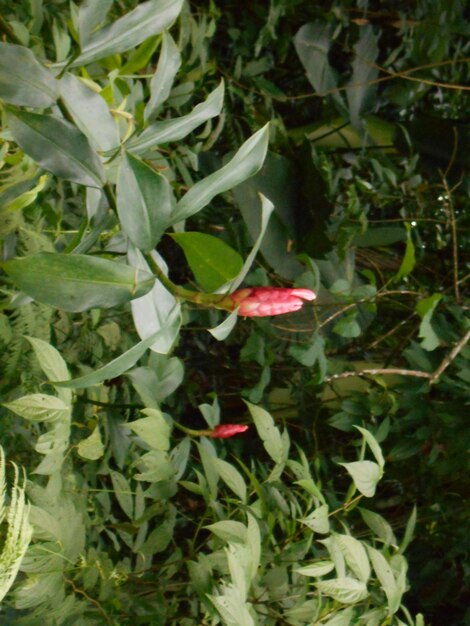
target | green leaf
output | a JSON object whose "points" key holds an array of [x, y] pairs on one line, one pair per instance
{"points": [[317, 569], [39, 407], [92, 447], [90, 113], [355, 555], [146, 20], [153, 429], [57, 146], [23, 80], [158, 310], [91, 15], [365, 474], [229, 530], [232, 478], [223, 330], [361, 88], [348, 326], [211, 260], [144, 201], [123, 493], [373, 445], [345, 590], [386, 578], [318, 520], [114, 368], [77, 282], [409, 260], [176, 129], [140, 57], [246, 162], [162, 81], [379, 526], [409, 531], [425, 309], [268, 432]]}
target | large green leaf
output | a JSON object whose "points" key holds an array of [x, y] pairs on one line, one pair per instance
{"points": [[23, 80], [91, 15], [57, 146], [78, 282], [212, 261], [174, 130], [361, 87], [90, 113], [246, 162], [162, 81], [146, 20], [144, 201]]}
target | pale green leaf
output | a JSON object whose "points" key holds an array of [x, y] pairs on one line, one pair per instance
{"points": [[365, 474], [92, 447]]}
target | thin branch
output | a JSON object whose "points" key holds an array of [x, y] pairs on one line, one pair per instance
{"points": [[450, 357], [455, 244], [377, 372]]}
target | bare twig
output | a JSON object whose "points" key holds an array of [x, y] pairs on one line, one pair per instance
{"points": [[377, 372], [450, 357]]}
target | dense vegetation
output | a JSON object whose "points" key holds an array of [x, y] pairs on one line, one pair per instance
{"points": [[156, 157]]}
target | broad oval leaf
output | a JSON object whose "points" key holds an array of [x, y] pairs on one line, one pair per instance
{"points": [[57, 146], [146, 20], [345, 590], [144, 201], [355, 555], [162, 81], [78, 282], [92, 447], [153, 429], [318, 569], [211, 260], [246, 162], [174, 130], [23, 80]]}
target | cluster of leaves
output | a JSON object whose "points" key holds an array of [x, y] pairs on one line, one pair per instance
{"points": [[127, 166]]}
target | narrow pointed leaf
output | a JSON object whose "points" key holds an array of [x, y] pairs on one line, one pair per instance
{"points": [[78, 282], [246, 162], [146, 20], [176, 129], [162, 81], [57, 146]]}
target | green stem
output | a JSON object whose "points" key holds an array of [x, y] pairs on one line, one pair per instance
{"points": [[191, 432], [9, 32]]}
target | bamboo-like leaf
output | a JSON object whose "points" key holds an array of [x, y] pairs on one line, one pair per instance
{"points": [[162, 81]]}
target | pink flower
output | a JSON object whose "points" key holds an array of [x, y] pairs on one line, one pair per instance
{"points": [[223, 431], [263, 301]]}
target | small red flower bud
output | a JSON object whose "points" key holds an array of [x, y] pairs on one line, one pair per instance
{"points": [[223, 431], [264, 301]]}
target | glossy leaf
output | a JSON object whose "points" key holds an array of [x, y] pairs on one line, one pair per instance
{"points": [[90, 113], [346, 590], [246, 162], [78, 282], [23, 80], [318, 569], [144, 200], [146, 20], [175, 129], [57, 146], [211, 260], [162, 81]]}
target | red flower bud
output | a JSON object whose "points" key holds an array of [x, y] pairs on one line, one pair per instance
{"points": [[223, 431], [263, 301]]}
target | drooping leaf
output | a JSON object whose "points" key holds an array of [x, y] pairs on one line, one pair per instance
{"points": [[268, 432], [211, 260], [373, 445], [146, 20], [162, 81], [425, 309], [78, 282], [232, 478], [409, 259], [114, 368], [57, 146], [165, 131], [386, 578], [39, 407], [90, 113], [144, 202], [365, 474], [23, 80], [246, 162], [355, 555]]}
